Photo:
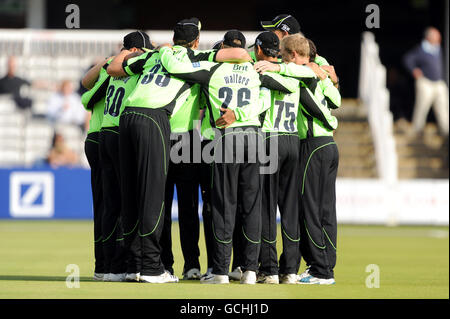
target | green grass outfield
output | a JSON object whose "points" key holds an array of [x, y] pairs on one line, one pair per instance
{"points": [[413, 263]]}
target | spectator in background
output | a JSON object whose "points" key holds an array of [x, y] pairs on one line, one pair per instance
{"points": [[16, 86], [65, 107], [425, 63], [60, 154]]}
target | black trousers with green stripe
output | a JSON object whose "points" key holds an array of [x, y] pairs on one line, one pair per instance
{"points": [[238, 242], [319, 160], [144, 161], [91, 149], [205, 171], [186, 177], [113, 246], [281, 189], [236, 183]]}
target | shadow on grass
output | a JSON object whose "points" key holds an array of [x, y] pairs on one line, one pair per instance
{"points": [[63, 278], [41, 278]]}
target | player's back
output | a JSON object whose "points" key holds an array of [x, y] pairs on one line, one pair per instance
{"points": [[156, 88], [117, 93], [234, 86], [283, 112]]}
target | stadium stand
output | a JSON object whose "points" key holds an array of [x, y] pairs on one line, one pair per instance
{"points": [[423, 156], [356, 149]]}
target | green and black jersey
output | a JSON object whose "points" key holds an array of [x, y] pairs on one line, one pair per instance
{"points": [[316, 118], [94, 100], [281, 116], [155, 88], [118, 90], [299, 113], [329, 91], [225, 85], [182, 120], [316, 121], [320, 60]]}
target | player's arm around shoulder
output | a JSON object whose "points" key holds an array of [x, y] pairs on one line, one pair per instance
{"points": [[287, 69], [128, 63], [197, 72], [274, 81], [98, 91], [331, 93], [315, 108], [92, 75]]}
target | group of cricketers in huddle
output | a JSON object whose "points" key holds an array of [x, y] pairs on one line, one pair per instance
{"points": [[253, 131]]}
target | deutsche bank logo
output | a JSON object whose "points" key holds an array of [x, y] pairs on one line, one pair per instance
{"points": [[31, 194]]}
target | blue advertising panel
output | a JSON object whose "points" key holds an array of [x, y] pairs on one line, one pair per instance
{"points": [[46, 193]]}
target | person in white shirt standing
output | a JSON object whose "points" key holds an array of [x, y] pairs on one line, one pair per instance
{"points": [[425, 63], [65, 107]]}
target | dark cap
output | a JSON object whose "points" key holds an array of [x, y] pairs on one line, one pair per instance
{"points": [[217, 45], [268, 42], [137, 39], [284, 22], [187, 30], [234, 38]]}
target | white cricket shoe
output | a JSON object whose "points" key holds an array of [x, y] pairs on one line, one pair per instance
{"points": [[106, 277], [132, 277], [236, 274], [98, 276], [289, 279], [208, 272], [267, 279], [311, 280], [215, 279], [117, 277], [303, 274], [192, 274], [248, 277], [165, 277]]}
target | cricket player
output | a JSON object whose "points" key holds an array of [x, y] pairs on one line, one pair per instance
{"points": [[144, 159], [280, 188], [233, 87], [187, 175], [118, 90], [319, 161], [234, 39], [96, 81]]}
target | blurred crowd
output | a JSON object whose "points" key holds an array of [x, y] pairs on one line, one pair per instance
{"points": [[64, 107]]}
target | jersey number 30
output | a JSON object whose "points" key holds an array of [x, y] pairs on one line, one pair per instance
{"points": [[112, 105]]}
